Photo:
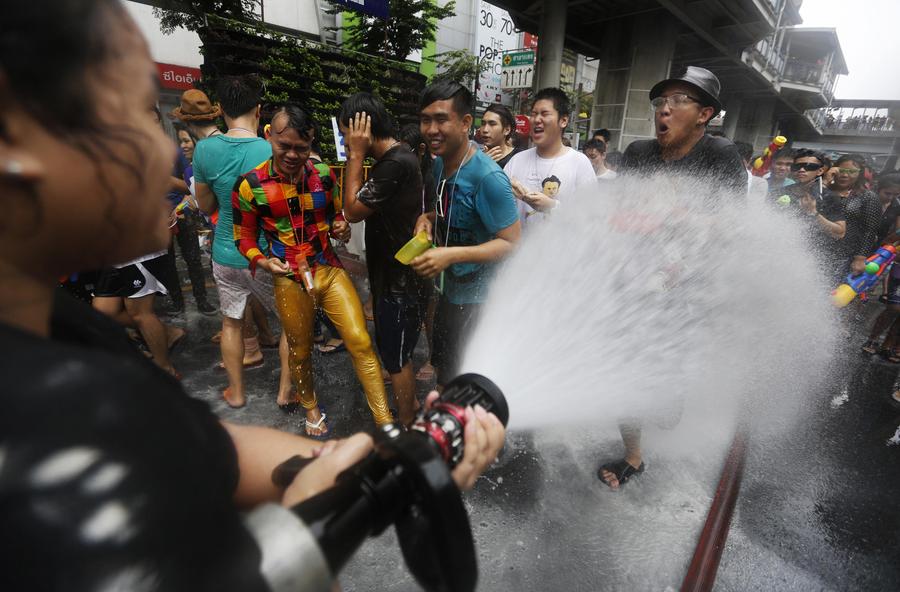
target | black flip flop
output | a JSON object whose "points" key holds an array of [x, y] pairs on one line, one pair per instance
{"points": [[621, 469]]}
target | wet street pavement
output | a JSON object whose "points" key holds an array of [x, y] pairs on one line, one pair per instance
{"points": [[818, 508]]}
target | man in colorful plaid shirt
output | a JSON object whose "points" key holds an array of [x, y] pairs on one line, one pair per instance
{"points": [[294, 205]]}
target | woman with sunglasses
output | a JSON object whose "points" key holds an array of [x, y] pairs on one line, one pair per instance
{"points": [[861, 209]]}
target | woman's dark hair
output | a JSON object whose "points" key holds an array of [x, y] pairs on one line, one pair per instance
{"points": [[49, 50], [180, 127], [297, 119], [507, 119], [382, 123], [559, 98], [411, 135], [238, 95], [463, 102], [888, 180], [863, 178]]}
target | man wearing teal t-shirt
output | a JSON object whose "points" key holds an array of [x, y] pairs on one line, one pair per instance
{"points": [[218, 162], [474, 221]]}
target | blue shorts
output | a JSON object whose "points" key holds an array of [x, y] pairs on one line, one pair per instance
{"points": [[398, 322]]}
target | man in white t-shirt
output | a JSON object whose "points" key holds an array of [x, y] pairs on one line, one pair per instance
{"points": [[543, 176], [595, 150]]}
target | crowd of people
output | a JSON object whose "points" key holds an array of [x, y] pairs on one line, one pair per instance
{"points": [[281, 215], [249, 179]]}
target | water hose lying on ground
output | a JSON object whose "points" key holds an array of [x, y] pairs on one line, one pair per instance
{"points": [[701, 574]]}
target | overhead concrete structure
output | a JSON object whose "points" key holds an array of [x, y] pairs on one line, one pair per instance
{"points": [[639, 42], [772, 71], [868, 127]]}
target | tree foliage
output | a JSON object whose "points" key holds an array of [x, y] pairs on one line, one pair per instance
{"points": [[459, 66], [191, 14], [412, 24]]}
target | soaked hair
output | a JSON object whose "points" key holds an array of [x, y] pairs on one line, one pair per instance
{"points": [[810, 153], [603, 133], [598, 145], [238, 95], [383, 126], [411, 134], [745, 149], [783, 154], [614, 159], [297, 119], [70, 40], [559, 99], [463, 102], [507, 119]]}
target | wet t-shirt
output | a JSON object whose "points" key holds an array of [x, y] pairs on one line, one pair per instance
{"points": [[713, 159], [888, 218], [471, 207], [395, 191], [112, 477], [218, 162]]}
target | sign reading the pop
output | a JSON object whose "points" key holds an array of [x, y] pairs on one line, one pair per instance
{"points": [[377, 8], [177, 77], [495, 35], [518, 69]]}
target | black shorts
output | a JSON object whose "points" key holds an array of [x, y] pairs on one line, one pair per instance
{"points": [[133, 281], [398, 322], [453, 324]]}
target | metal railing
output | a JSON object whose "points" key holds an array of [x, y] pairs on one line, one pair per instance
{"points": [[773, 59], [829, 118]]}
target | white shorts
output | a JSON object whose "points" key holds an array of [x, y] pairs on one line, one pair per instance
{"points": [[235, 285]]}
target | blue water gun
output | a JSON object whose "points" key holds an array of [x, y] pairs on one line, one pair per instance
{"points": [[858, 284]]}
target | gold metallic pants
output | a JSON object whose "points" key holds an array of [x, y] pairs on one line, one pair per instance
{"points": [[335, 293]]}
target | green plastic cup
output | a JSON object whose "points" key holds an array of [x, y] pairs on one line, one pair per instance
{"points": [[415, 247]]}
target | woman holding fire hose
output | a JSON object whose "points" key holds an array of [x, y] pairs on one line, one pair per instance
{"points": [[110, 475]]}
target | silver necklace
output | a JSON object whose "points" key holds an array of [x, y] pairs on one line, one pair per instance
{"points": [[534, 164]]}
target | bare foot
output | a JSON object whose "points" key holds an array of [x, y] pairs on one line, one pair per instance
{"points": [[315, 422], [287, 397], [233, 402]]}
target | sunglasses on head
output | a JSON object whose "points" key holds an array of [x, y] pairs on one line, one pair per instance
{"points": [[805, 166]]}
